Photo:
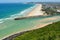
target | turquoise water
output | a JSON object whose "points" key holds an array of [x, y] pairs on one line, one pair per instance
{"points": [[13, 10], [6, 10], [10, 26], [13, 26]]}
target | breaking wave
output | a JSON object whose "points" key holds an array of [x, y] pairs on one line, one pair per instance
{"points": [[21, 14]]}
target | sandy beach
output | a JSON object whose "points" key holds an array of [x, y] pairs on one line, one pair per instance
{"points": [[51, 19], [43, 22], [40, 25], [37, 11]]}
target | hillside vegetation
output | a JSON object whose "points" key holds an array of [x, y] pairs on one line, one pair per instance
{"points": [[49, 32]]}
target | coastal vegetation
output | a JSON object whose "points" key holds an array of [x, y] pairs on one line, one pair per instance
{"points": [[49, 32], [51, 9]]}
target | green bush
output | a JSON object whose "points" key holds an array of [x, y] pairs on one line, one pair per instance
{"points": [[49, 32]]}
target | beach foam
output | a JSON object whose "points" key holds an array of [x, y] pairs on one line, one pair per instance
{"points": [[24, 12], [21, 14], [1, 20]]}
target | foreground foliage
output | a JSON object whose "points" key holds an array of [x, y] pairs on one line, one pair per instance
{"points": [[50, 32]]}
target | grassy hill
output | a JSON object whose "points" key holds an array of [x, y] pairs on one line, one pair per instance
{"points": [[50, 32]]}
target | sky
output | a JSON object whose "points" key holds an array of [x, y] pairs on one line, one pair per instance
{"points": [[18, 1]]}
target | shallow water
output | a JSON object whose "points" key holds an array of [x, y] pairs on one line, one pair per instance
{"points": [[10, 26], [13, 26]]}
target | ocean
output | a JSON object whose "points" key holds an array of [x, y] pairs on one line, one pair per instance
{"points": [[10, 11], [10, 26], [6, 10]]}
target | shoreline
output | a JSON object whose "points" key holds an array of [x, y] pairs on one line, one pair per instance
{"points": [[18, 14], [27, 16], [13, 35], [37, 11], [33, 28]]}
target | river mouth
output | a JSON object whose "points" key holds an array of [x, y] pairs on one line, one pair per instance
{"points": [[19, 24], [27, 23]]}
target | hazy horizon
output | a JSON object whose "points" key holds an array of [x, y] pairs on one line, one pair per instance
{"points": [[22, 1]]}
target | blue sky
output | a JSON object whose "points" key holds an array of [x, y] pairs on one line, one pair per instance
{"points": [[16, 1]]}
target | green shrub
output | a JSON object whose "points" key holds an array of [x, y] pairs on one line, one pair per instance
{"points": [[49, 32]]}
